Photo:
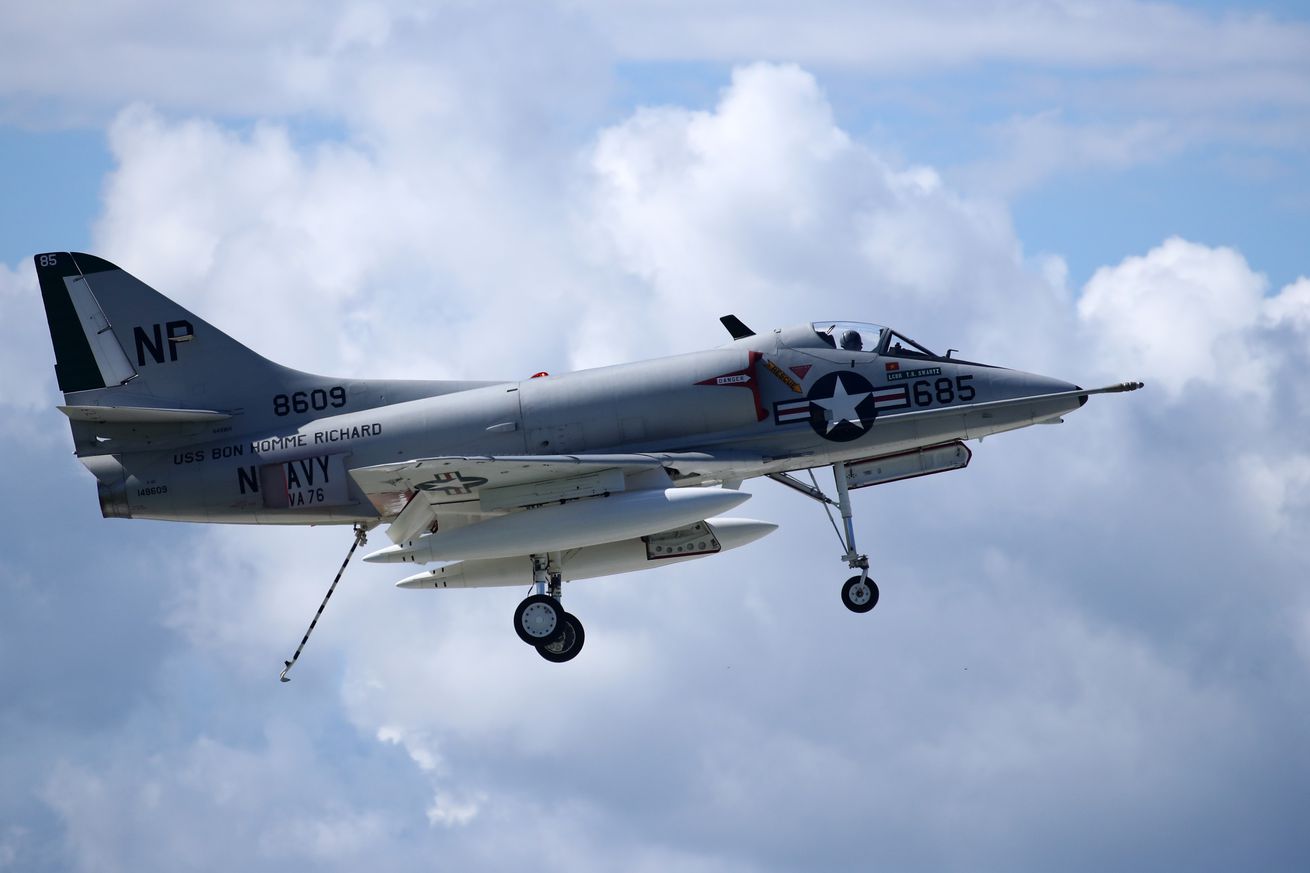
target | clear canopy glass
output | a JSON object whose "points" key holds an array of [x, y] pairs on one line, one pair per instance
{"points": [[858, 336], [900, 344], [850, 336]]}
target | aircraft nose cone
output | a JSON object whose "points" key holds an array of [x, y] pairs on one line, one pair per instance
{"points": [[1017, 383]]}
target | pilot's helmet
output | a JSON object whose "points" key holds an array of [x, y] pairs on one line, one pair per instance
{"points": [[851, 342]]}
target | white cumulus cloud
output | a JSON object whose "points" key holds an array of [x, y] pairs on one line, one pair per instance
{"points": [[1064, 614], [27, 375], [766, 207], [1185, 313]]}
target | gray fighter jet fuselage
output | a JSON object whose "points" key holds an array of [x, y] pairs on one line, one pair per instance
{"points": [[546, 479]]}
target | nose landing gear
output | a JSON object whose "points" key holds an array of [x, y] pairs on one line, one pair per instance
{"points": [[860, 593], [540, 620]]}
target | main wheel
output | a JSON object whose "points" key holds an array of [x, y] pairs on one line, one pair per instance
{"points": [[860, 594], [566, 648], [539, 620]]}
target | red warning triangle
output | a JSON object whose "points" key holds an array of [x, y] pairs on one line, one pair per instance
{"points": [[801, 369]]}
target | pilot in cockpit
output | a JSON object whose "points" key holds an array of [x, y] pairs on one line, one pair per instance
{"points": [[850, 341]]}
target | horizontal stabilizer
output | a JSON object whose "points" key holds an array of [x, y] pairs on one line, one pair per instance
{"points": [[141, 415]]}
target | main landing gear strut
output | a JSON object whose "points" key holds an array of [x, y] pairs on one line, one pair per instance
{"points": [[540, 620], [860, 593]]}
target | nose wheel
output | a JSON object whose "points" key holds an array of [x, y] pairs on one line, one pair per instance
{"points": [[860, 594], [540, 620]]}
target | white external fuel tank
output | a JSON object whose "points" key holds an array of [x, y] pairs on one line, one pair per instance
{"points": [[576, 524], [607, 559]]}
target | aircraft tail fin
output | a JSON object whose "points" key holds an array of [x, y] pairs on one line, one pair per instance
{"points": [[86, 357], [113, 333], [139, 371]]}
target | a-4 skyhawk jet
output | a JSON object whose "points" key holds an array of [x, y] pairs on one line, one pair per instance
{"points": [[539, 481]]}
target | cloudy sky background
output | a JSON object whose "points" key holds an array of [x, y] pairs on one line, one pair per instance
{"points": [[1093, 646]]}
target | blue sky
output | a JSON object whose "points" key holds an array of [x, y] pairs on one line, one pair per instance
{"points": [[1093, 645]]}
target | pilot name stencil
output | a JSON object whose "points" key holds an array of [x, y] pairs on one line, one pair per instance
{"points": [[899, 375]]}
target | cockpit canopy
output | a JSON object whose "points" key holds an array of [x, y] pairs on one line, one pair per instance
{"points": [[850, 336], [856, 336]]}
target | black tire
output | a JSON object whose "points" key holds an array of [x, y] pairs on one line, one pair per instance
{"points": [[566, 648], [856, 601], [539, 620]]}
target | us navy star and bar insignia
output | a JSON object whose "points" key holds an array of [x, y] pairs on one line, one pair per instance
{"points": [[745, 378], [842, 406], [787, 411], [451, 484], [891, 397]]}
